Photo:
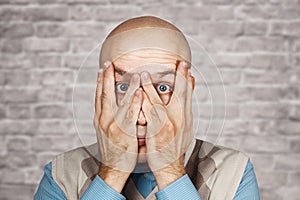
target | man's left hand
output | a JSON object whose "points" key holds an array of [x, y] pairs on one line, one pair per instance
{"points": [[169, 127]]}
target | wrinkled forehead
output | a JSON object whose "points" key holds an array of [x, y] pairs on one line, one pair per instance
{"points": [[151, 38]]}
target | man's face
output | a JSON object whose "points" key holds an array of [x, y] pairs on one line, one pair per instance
{"points": [[161, 67]]}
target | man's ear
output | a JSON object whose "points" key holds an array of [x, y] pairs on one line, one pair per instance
{"points": [[193, 82]]}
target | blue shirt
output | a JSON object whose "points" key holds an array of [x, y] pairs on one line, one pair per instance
{"points": [[98, 189]]}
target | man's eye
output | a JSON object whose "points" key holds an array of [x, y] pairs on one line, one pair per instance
{"points": [[121, 87], [163, 88]]}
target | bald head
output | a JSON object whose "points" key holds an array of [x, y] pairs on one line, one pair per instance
{"points": [[142, 22], [144, 33]]}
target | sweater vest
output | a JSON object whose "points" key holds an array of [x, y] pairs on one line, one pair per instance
{"points": [[215, 171]]}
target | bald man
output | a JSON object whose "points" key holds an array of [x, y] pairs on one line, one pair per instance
{"points": [[143, 121]]}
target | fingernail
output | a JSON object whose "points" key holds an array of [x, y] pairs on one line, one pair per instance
{"points": [[135, 78], [107, 64], [100, 71], [145, 76], [185, 65]]}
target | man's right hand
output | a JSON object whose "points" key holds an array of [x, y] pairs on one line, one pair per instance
{"points": [[116, 128]]}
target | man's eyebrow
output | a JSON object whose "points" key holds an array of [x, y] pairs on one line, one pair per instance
{"points": [[120, 71], [162, 74]]}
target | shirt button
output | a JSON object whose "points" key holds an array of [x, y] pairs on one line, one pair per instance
{"points": [[146, 175]]}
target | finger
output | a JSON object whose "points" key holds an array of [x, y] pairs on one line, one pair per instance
{"points": [[188, 103], [98, 94], [181, 79], [108, 90], [178, 98], [135, 107], [128, 115], [149, 89], [129, 98], [155, 115], [186, 135], [133, 86], [146, 107], [189, 92]]}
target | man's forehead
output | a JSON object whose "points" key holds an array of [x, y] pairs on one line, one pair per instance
{"points": [[146, 59], [158, 63], [153, 70]]}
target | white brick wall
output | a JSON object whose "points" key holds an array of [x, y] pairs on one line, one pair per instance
{"points": [[255, 43]]}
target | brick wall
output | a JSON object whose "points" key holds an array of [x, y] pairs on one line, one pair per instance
{"points": [[255, 43]]}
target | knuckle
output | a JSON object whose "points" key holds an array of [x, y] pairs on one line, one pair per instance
{"points": [[169, 127], [126, 100], [102, 123], [130, 114], [113, 128], [104, 94]]}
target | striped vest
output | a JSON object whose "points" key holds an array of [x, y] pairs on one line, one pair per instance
{"points": [[215, 171]]}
